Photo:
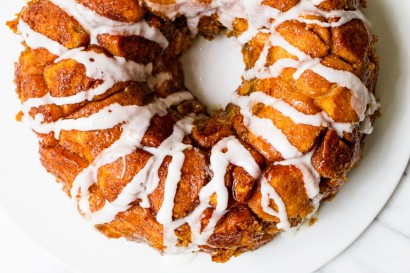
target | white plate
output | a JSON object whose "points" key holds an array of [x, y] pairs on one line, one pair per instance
{"points": [[38, 205]]}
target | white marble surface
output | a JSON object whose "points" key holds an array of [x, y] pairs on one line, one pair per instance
{"points": [[383, 247]]}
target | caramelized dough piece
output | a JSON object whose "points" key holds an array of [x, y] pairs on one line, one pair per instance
{"points": [[338, 105], [312, 84], [179, 38], [31, 86], [239, 26], [207, 132], [119, 10], [29, 78], [283, 5], [137, 224], [322, 32], [90, 144], [303, 137], [190, 184], [48, 19], [175, 84], [133, 48], [97, 199], [61, 79], [63, 164], [276, 53], [351, 41], [242, 182], [329, 5], [112, 178], [258, 143], [160, 128], [337, 63], [252, 50], [281, 89], [329, 187], [289, 184], [237, 228], [66, 78], [333, 157], [297, 34], [208, 26], [242, 185]]}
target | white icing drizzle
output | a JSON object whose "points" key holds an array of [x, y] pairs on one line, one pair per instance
{"points": [[132, 133], [36, 40], [366, 127], [265, 128], [360, 95], [110, 116], [99, 67], [135, 120], [316, 2], [320, 119], [96, 24], [259, 16], [311, 180], [110, 70], [268, 194], [310, 176], [170, 146], [146, 181], [195, 10], [227, 151]]}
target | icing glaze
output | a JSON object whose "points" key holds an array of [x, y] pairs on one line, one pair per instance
{"points": [[227, 151], [36, 40], [96, 24], [269, 193]]}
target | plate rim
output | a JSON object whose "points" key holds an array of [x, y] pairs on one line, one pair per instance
{"points": [[392, 189]]}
